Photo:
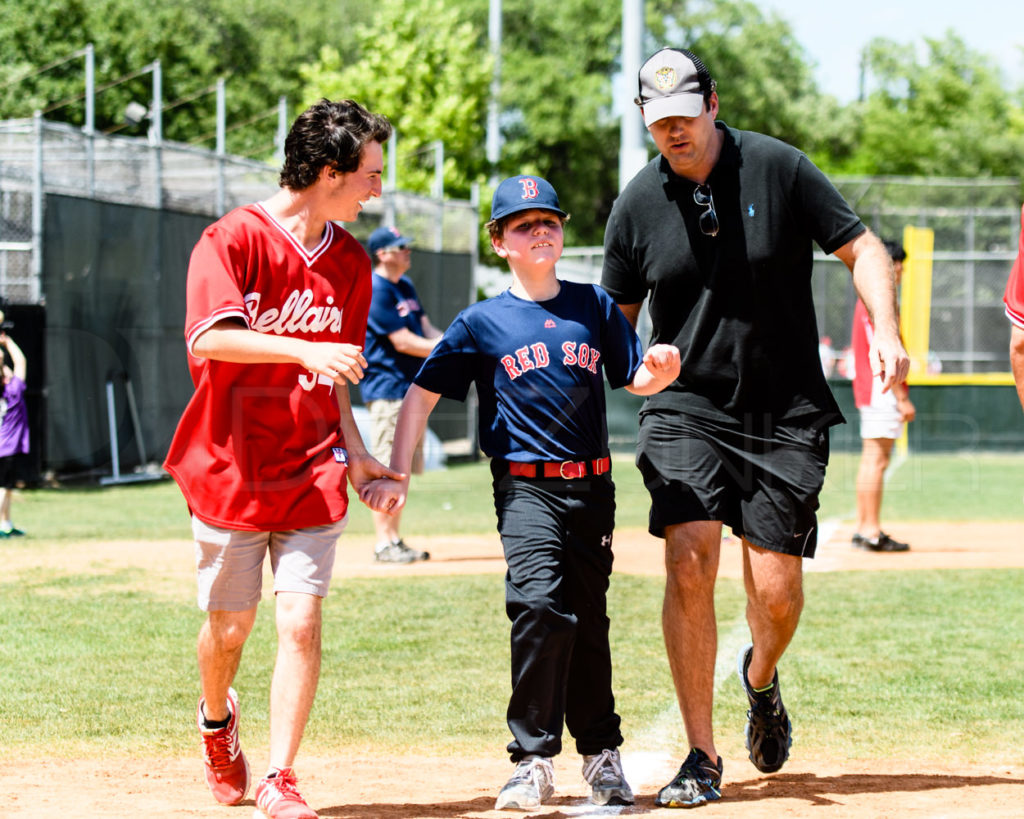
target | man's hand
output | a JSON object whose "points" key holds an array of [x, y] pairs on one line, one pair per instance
{"points": [[888, 360]]}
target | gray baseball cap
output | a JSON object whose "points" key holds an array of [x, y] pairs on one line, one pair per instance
{"points": [[673, 82]]}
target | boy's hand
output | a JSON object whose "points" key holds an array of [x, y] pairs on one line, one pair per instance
{"points": [[663, 361], [385, 494]]}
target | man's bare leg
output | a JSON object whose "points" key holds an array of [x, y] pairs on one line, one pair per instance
{"points": [[688, 622]]}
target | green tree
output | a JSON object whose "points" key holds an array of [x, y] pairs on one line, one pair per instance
{"points": [[763, 74], [257, 47], [948, 116], [560, 118], [556, 101], [426, 68]]}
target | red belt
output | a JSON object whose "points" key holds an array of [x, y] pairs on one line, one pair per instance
{"points": [[566, 470]]}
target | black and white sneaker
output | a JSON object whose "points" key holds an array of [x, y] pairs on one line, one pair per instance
{"points": [[396, 551], [769, 731], [699, 781], [882, 543]]}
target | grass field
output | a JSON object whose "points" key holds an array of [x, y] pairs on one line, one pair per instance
{"points": [[967, 486], [913, 664]]}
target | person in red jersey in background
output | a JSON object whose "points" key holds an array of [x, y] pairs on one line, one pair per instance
{"points": [[1014, 301], [882, 416]]}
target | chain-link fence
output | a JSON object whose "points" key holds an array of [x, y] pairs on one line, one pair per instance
{"points": [[17, 282], [976, 224], [39, 157]]}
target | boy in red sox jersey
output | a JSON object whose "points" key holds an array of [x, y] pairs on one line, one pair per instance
{"points": [[277, 301], [539, 353]]}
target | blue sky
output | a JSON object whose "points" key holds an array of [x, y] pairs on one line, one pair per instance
{"points": [[833, 34]]}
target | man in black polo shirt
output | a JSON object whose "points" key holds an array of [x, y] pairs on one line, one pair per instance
{"points": [[716, 232]]}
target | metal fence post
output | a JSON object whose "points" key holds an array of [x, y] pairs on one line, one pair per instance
{"points": [[37, 208]]}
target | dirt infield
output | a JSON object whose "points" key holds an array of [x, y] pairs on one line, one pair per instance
{"points": [[422, 787], [411, 787]]}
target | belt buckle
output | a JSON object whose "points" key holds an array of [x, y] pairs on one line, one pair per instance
{"points": [[563, 465]]}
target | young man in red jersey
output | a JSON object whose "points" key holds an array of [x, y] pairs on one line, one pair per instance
{"points": [[277, 302]]}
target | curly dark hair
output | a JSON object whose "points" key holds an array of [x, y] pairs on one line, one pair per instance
{"points": [[332, 134], [895, 250]]}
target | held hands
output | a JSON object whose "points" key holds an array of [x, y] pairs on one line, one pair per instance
{"points": [[342, 363], [385, 494], [364, 470]]}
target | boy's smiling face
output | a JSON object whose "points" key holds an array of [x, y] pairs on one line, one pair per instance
{"points": [[531, 240]]}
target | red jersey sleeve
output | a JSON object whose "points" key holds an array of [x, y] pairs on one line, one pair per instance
{"points": [[1013, 298], [214, 290]]}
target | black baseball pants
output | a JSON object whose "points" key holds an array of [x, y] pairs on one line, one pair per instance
{"points": [[556, 535]]}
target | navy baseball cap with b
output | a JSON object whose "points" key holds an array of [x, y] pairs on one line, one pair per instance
{"points": [[673, 83], [385, 237], [524, 193]]}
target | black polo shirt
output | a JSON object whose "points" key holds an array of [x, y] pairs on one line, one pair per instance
{"points": [[738, 305]]}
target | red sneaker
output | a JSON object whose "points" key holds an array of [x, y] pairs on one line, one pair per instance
{"points": [[278, 798], [227, 770]]}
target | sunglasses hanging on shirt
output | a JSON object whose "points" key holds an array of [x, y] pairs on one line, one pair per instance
{"points": [[708, 220]]}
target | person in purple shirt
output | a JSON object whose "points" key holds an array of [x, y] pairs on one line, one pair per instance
{"points": [[13, 431]]}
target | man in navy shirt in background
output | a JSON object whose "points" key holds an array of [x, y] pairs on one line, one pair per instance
{"points": [[398, 337]]}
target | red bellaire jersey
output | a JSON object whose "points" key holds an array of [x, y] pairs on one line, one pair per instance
{"points": [[255, 447], [1013, 298]]}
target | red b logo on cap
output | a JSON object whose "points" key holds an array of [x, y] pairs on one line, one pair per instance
{"points": [[529, 188]]}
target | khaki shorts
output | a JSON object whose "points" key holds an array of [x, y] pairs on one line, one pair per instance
{"points": [[384, 418], [881, 418], [229, 563]]}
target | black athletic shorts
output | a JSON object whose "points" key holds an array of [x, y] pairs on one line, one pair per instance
{"points": [[13, 469], [760, 478]]}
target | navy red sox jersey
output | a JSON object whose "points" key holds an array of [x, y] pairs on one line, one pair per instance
{"points": [[258, 446], [389, 373], [538, 371]]}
